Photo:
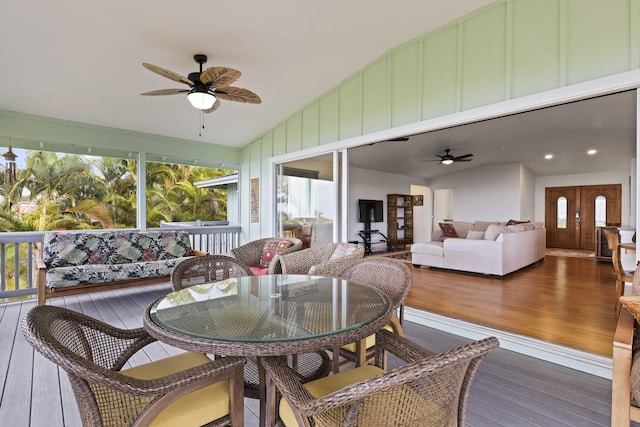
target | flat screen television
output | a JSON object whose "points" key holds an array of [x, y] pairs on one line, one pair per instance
{"points": [[370, 211]]}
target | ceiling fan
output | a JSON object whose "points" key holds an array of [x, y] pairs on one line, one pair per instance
{"points": [[206, 88], [447, 159]]}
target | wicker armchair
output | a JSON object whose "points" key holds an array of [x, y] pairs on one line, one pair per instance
{"points": [[429, 390], [321, 260], [393, 278], [186, 390], [249, 254], [208, 268]]}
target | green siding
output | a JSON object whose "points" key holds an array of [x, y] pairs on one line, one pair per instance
{"points": [[329, 117], [535, 47], [280, 139], [440, 73], [405, 85], [483, 58], [350, 108], [597, 39], [310, 126], [294, 133], [375, 96]]}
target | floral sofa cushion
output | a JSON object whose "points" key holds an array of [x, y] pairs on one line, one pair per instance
{"points": [[110, 256], [113, 247], [74, 275]]}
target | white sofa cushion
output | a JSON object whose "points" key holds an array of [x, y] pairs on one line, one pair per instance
{"points": [[428, 248], [493, 231], [475, 235]]}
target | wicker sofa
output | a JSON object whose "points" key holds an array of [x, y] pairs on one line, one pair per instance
{"points": [[71, 263]]}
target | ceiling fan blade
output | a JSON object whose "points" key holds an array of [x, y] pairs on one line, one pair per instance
{"points": [[166, 92], [464, 156], [237, 94], [219, 77], [168, 74], [462, 160], [214, 108]]}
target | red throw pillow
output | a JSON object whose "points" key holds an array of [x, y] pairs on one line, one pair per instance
{"points": [[271, 248], [448, 230]]}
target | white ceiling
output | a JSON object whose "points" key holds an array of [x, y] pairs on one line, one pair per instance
{"points": [[82, 61], [606, 124]]}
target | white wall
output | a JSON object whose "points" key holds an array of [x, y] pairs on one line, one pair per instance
{"points": [[487, 193], [370, 184], [422, 215], [527, 194], [620, 177]]}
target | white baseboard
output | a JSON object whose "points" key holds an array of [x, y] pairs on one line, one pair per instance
{"points": [[565, 356]]}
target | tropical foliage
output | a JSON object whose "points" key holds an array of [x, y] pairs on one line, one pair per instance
{"points": [[79, 192]]}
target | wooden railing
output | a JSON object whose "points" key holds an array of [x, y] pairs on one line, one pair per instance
{"points": [[17, 275]]}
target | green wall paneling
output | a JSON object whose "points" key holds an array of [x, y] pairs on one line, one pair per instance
{"points": [[279, 136], [310, 126], [440, 72], [597, 38], [375, 96], [294, 133], [405, 84], [483, 57], [535, 47], [329, 117], [350, 108]]}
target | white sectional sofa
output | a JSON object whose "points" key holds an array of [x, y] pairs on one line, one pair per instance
{"points": [[483, 247]]}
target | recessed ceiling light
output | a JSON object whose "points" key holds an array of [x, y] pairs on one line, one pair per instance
{"points": [[548, 156], [592, 152]]}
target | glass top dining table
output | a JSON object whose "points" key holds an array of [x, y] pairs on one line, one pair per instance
{"points": [[267, 315]]}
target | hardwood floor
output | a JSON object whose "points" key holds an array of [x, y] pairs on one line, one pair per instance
{"points": [[564, 300]]}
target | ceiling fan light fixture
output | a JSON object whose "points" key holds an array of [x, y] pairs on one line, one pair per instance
{"points": [[447, 161], [202, 100]]}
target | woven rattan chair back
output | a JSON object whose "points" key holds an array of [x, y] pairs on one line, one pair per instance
{"points": [[205, 269], [249, 254], [388, 275], [425, 390], [93, 353]]}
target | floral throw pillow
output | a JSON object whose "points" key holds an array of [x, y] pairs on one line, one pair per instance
{"points": [[448, 230], [272, 248]]}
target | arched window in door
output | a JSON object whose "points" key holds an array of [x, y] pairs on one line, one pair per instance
{"points": [[561, 212], [601, 210]]}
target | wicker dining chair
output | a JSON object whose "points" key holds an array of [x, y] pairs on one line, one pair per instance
{"points": [[209, 268], [325, 259], [622, 277], [393, 278], [187, 389], [428, 390], [206, 269]]}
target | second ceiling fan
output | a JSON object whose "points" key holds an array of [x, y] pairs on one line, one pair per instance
{"points": [[448, 159]]}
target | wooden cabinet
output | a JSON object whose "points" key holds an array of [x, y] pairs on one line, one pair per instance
{"points": [[399, 221]]}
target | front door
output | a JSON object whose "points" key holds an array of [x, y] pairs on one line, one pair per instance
{"points": [[573, 213]]}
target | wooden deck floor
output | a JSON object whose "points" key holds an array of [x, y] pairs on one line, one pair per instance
{"points": [[510, 389]]}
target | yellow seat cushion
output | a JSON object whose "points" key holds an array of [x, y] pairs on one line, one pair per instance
{"points": [[195, 409], [428, 413], [323, 386], [370, 341]]}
